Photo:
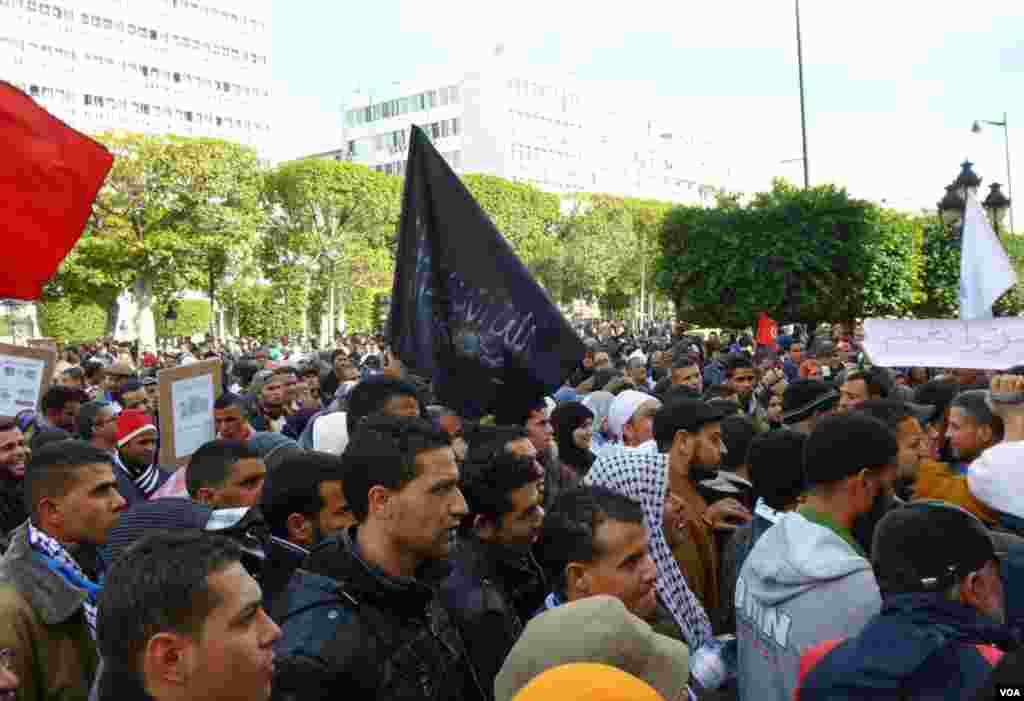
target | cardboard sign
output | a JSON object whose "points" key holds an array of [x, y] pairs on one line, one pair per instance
{"points": [[187, 394], [50, 343], [991, 344], [25, 374]]}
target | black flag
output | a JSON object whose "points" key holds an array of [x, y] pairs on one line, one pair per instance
{"points": [[465, 311]]}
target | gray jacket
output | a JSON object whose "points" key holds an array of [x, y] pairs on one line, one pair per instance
{"points": [[801, 584]]}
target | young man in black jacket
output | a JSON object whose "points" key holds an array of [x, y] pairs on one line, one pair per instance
{"points": [[387, 634], [496, 585]]}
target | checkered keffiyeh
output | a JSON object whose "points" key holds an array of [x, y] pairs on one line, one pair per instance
{"points": [[643, 477]]}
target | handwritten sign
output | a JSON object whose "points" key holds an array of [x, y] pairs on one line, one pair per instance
{"points": [[187, 394], [991, 344], [25, 374]]}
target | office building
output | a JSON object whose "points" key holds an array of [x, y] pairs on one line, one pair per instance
{"points": [[189, 67], [558, 135]]}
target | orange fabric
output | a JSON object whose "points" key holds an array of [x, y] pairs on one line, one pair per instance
{"points": [[809, 659], [587, 682], [935, 480]]}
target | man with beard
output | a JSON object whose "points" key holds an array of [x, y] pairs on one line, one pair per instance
{"points": [[741, 377], [303, 503], [496, 585], [807, 580], [689, 433], [14, 455]]}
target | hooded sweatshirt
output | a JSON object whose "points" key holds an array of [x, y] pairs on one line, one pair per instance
{"points": [[805, 581]]}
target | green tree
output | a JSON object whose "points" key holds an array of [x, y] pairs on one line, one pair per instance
{"points": [[525, 215], [175, 212], [193, 317], [799, 255], [65, 321], [318, 210]]}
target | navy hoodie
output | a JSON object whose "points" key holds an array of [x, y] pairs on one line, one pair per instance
{"points": [[921, 646]]}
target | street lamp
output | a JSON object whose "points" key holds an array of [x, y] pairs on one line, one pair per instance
{"points": [[968, 181], [1005, 124], [997, 205], [951, 206]]}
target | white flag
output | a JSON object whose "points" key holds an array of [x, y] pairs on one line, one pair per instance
{"points": [[985, 270]]}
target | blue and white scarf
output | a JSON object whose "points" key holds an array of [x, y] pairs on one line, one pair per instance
{"points": [[58, 560]]}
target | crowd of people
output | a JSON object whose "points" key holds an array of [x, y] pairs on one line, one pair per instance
{"points": [[689, 516]]}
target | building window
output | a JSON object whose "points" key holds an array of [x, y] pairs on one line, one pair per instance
{"points": [[443, 96], [453, 94], [455, 126]]}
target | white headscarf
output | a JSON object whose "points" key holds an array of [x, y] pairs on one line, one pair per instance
{"points": [[643, 477]]}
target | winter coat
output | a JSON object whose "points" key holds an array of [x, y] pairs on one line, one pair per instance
{"points": [[42, 620], [921, 646], [387, 638], [491, 593]]}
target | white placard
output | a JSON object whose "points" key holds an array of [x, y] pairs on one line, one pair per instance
{"points": [[192, 399], [991, 344], [20, 383]]}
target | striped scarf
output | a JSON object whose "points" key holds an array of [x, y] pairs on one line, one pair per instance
{"points": [[61, 563]]}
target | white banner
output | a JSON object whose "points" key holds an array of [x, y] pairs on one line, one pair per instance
{"points": [[990, 344]]}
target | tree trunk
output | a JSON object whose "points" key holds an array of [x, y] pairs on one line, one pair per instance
{"points": [[145, 324], [340, 326], [327, 321], [111, 310]]}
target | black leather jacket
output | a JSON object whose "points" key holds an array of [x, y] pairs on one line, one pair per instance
{"points": [[392, 638], [492, 592]]}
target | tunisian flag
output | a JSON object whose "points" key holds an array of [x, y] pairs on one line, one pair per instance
{"points": [[49, 176], [767, 330]]}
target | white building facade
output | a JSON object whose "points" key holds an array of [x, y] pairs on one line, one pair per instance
{"points": [[557, 135], [189, 67]]}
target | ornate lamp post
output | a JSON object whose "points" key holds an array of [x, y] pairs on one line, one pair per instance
{"points": [[997, 205], [951, 207]]}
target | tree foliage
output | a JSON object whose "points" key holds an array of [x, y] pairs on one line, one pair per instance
{"points": [[65, 321], [329, 225], [193, 317], [524, 214], [799, 255]]}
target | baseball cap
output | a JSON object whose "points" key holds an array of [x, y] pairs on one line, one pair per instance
{"points": [[803, 398], [624, 407], [587, 682], [928, 546], [596, 629]]}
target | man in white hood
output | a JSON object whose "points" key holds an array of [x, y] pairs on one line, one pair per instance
{"points": [[806, 579]]}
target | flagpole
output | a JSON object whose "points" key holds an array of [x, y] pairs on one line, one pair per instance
{"points": [[1009, 178], [803, 113]]}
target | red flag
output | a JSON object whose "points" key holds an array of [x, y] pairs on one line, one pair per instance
{"points": [[767, 330], [49, 176]]}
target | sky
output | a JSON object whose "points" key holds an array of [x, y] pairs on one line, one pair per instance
{"points": [[892, 86]]}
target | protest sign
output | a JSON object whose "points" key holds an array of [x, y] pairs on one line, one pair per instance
{"points": [[50, 343], [187, 394], [24, 376], [990, 344]]}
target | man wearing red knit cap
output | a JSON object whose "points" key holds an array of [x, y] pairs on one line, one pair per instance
{"points": [[138, 475]]}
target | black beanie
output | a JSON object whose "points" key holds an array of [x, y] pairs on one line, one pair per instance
{"points": [[845, 444], [776, 462]]}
